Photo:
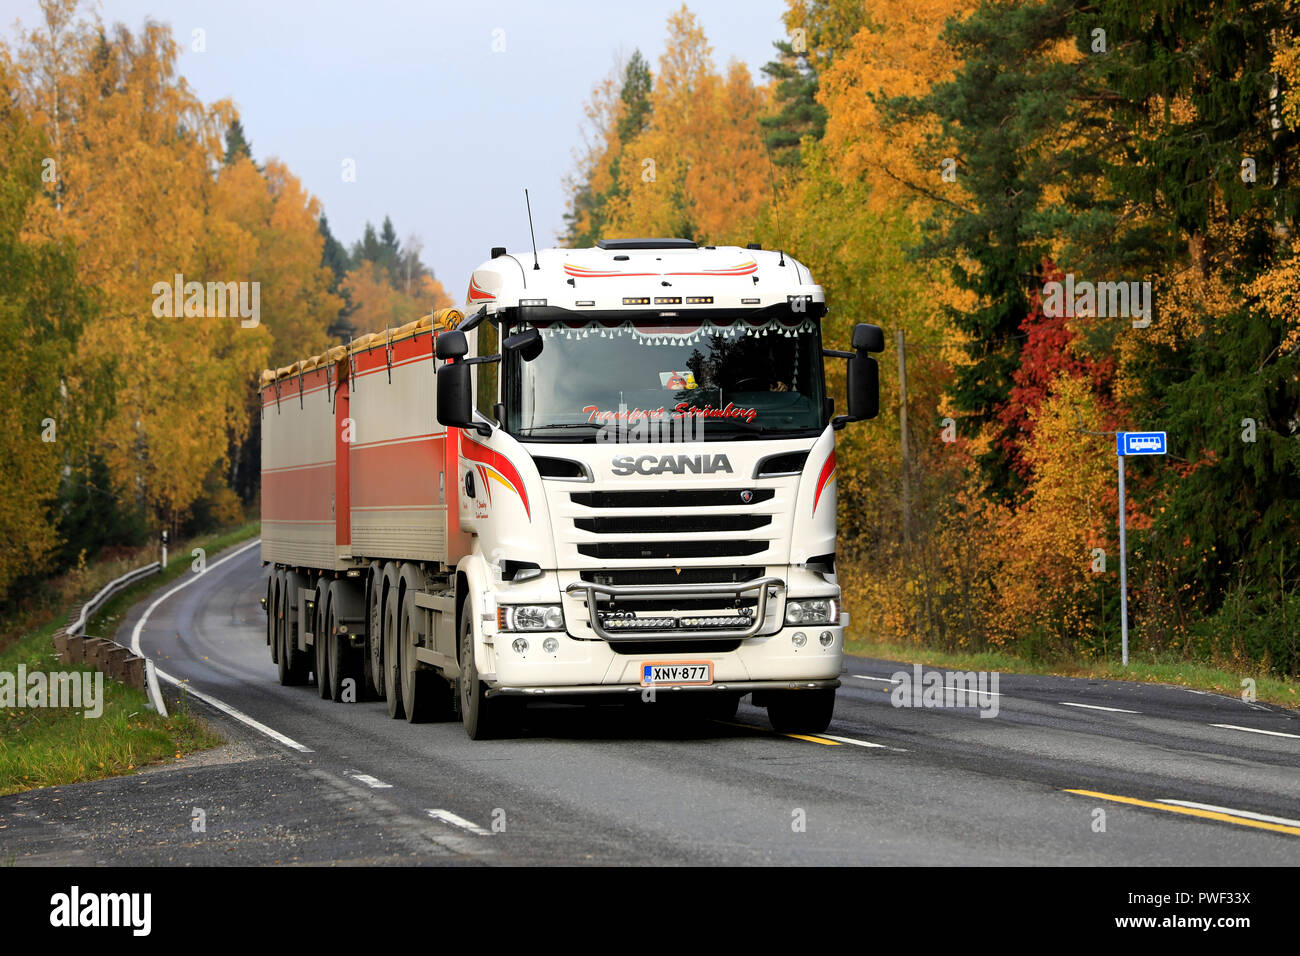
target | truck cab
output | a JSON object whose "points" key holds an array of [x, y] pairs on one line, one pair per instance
{"points": [[647, 479]]}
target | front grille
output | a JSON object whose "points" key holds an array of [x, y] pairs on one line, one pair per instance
{"points": [[672, 524], [632, 576], [669, 550], [671, 498]]}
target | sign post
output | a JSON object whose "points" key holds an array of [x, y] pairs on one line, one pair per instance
{"points": [[1130, 443]]}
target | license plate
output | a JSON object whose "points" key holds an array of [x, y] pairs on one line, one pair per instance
{"points": [[678, 672]]}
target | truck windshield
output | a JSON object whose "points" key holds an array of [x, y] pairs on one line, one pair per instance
{"points": [[657, 379]]}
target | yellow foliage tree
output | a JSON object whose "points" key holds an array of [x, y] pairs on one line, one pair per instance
{"points": [[699, 169]]}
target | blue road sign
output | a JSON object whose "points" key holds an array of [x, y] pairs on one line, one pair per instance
{"points": [[1140, 443]]}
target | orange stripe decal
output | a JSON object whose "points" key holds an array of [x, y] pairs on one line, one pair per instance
{"points": [[828, 472]]}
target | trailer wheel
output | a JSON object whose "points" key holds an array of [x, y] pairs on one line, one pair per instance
{"points": [[484, 717], [392, 661], [345, 662], [801, 711], [269, 607], [292, 663], [273, 616], [372, 674], [321, 645], [425, 695]]}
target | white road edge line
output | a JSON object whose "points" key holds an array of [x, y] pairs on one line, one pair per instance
{"points": [[1113, 710], [236, 713], [883, 680], [446, 816], [1248, 814], [154, 673], [1257, 730], [374, 783], [850, 740], [149, 669]]}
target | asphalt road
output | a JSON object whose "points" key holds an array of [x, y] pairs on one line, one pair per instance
{"points": [[887, 785]]}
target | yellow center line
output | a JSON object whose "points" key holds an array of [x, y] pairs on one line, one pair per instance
{"points": [[763, 730], [1191, 812]]}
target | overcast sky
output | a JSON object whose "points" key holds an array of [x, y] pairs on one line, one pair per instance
{"points": [[445, 132]]}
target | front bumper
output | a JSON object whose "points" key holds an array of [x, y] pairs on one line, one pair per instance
{"points": [[762, 657], [733, 687]]}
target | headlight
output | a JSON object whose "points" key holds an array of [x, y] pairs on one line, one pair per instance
{"points": [[530, 617], [812, 611]]}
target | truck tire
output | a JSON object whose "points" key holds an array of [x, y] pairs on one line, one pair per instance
{"points": [[269, 607], [392, 659], [372, 651], [292, 665], [273, 615], [801, 711], [343, 662], [320, 646], [484, 717], [425, 695]]}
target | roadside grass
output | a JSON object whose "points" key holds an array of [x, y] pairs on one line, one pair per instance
{"points": [[49, 746], [1269, 688]]}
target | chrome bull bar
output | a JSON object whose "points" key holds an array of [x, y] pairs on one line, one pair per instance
{"points": [[667, 592]]}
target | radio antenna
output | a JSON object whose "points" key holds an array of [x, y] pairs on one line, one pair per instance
{"points": [[776, 206], [531, 234]]}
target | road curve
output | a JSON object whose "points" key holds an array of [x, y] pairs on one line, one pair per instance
{"points": [[1067, 772]]}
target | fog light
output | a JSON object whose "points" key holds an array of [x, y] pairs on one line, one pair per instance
{"points": [[798, 639], [520, 645], [550, 645], [826, 637]]}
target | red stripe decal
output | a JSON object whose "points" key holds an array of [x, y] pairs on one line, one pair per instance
{"points": [[828, 470], [477, 452]]}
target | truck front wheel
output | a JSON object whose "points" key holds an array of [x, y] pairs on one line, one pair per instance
{"points": [[484, 717], [801, 711]]}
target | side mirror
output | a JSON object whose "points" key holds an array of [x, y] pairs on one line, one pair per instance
{"points": [[864, 385], [455, 400], [864, 374], [450, 345], [868, 338], [528, 342]]}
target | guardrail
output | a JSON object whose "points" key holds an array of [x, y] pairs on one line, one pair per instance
{"points": [[78, 627], [112, 658]]}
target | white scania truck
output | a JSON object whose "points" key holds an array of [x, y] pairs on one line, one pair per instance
{"points": [[611, 473]]}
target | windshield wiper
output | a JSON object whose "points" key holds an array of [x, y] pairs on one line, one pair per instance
{"points": [[532, 432]]}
